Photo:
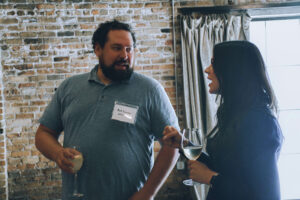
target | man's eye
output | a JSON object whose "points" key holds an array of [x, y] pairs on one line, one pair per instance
{"points": [[116, 48], [129, 49]]}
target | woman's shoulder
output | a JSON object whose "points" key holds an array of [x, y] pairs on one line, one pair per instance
{"points": [[258, 115], [262, 123]]}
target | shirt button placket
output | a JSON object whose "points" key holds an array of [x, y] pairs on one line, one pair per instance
{"points": [[102, 95]]}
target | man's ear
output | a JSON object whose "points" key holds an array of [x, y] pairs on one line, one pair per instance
{"points": [[97, 50]]}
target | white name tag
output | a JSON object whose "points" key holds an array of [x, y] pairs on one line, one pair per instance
{"points": [[124, 112]]}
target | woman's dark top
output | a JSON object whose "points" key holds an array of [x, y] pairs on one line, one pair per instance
{"points": [[246, 159]]}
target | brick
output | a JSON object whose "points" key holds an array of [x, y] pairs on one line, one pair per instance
{"points": [[83, 6], [99, 5], [28, 109], [168, 42], [19, 104], [124, 18], [29, 12], [45, 6], [148, 43], [46, 34], [71, 40], [88, 26], [84, 33], [39, 47], [54, 1], [136, 5], [59, 59], [165, 30], [65, 33], [151, 5], [47, 19], [69, 19], [11, 13], [23, 67], [24, 116], [28, 34], [50, 13], [33, 41], [34, 28], [25, 6], [31, 159], [42, 65], [20, 154], [37, 103], [160, 24], [15, 28], [55, 77], [17, 1], [20, 13], [11, 35], [150, 17], [24, 85], [71, 27], [53, 27], [162, 10], [95, 12], [9, 21], [74, 1], [61, 65], [119, 5], [86, 19]]}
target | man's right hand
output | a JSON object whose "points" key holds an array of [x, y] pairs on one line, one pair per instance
{"points": [[46, 141], [64, 157], [171, 137]]}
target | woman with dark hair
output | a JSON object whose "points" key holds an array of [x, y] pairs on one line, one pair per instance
{"points": [[243, 148]]}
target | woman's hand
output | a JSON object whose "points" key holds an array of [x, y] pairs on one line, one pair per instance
{"points": [[171, 137], [199, 172]]}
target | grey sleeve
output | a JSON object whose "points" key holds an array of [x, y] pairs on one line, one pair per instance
{"points": [[51, 117], [162, 112]]}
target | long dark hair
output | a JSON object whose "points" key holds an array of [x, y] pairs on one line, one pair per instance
{"points": [[243, 79]]}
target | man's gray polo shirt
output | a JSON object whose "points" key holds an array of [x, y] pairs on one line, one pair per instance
{"points": [[118, 156]]}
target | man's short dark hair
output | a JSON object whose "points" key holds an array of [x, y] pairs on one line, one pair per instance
{"points": [[100, 35]]}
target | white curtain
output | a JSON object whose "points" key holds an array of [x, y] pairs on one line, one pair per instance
{"points": [[198, 36]]}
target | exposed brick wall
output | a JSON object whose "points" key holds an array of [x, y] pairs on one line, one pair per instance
{"points": [[45, 41], [3, 168]]}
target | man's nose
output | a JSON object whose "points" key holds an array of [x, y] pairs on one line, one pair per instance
{"points": [[124, 54]]}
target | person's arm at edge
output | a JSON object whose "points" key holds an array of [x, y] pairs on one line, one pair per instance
{"points": [[164, 163]]}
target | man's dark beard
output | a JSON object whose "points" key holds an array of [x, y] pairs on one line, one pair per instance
{"points": [[113, 74]]}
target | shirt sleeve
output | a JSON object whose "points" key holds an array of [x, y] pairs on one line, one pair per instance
{"points": [[252, 172], [205, 159], [51, 117], [161, 112]]}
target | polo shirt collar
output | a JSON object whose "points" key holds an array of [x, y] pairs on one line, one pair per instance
{"points": [[94, 77]]}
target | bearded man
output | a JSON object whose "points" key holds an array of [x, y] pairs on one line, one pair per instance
{"points": [[113, 115]]}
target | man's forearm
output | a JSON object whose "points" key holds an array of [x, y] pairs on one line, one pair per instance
{"points": [[164, 163], [46, 142]]}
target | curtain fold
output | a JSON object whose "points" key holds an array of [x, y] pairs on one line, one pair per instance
{"points": [[198, 36]]}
